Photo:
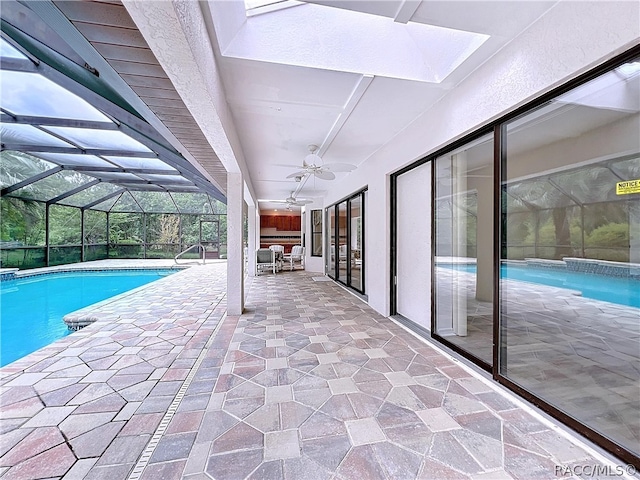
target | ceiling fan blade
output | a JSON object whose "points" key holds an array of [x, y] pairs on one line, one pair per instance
{"points": [[300, 202], [301, 173], [324, 175], [340, 167]]}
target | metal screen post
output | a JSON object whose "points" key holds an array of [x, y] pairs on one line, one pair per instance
{"points": [[582, 228], [82, 234], [46, 235], [144, 235], [180, 247], [108, 234]]}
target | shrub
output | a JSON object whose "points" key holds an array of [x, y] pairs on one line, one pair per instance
{"points": [[609, 235]]}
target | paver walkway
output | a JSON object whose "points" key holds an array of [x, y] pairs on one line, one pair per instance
{"points": [[309, 383], [87, 405]]}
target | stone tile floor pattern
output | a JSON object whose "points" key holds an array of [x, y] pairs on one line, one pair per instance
{"points": [[309, 383], [558, 340]]}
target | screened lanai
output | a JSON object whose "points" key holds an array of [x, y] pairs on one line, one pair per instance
{"points": [[574, 212], [83, 177]]}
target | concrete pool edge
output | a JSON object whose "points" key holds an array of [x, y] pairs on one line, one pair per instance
{"points": [[7, 274]]}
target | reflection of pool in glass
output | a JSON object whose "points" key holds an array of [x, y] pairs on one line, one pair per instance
{"points": [[623, 291], [32, 307]]}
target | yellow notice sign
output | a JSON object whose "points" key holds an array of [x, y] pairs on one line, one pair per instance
{"points": [[627, 187]]}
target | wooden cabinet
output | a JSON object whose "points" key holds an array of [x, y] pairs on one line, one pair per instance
{"points": [[268, 221], [284, 223]]}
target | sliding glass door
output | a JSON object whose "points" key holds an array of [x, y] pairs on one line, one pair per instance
{"points": [[463, 270], [536, 273], [355, 243], [345, 241], [569, 281], [331, 242]]}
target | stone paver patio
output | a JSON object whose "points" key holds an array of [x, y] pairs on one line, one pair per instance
{"points": [[308, 383]]}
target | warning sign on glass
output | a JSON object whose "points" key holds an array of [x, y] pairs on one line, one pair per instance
{"points": [[627, 187]]}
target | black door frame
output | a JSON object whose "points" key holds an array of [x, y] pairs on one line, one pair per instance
{"points": [[335, 274]]}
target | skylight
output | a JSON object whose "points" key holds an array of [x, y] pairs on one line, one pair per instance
{"points": [[318, 36], [251, 4]]}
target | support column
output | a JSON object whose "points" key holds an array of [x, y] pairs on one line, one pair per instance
{"points": [[235, 261], [251, 240]]}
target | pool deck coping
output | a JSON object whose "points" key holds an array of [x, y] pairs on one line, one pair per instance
{"points": [[96, 265]]}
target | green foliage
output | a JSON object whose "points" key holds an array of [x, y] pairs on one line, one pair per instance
{"points": [[95, 227], [602, 214], [518, 228], [610, 235], [126, 228], [64, 255], [22, 221], [65, 227], [22, 258]]}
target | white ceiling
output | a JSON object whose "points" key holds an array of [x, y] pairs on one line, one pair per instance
{"points": [[280, 109]]}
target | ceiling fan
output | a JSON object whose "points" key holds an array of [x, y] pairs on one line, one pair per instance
{"points": [[313, 165], [291, 201]]}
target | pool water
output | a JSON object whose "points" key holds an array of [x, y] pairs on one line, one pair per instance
{"points": [[620, 290], [31, 308]]}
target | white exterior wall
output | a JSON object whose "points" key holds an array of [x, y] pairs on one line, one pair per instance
{"points": [[414, 245], [572, 38]]}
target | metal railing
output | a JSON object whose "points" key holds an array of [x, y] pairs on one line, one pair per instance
{"points": [[192, 247]]}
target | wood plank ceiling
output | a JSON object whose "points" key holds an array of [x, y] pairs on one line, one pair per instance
{"points": [[111, 31]]}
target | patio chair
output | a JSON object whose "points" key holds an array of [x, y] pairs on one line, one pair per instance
{"points": [[295, 257], [342, 253], [265, 259], [279, 255]]}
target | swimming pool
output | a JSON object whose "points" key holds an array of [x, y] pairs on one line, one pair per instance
{"points": [[32, 307], [620, 290]]}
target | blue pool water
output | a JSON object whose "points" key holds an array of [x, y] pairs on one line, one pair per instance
{"points": [[31, 308], [623, 291]]}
